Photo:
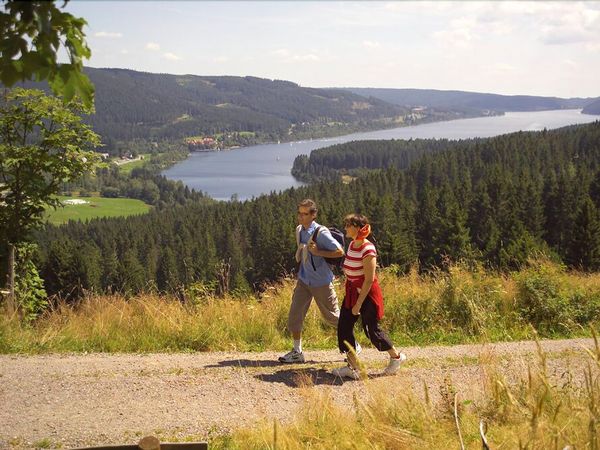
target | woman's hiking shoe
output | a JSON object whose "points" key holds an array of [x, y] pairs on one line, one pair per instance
{"points": [[358, 349], [292, 357], [394, 365], [346, 372]]}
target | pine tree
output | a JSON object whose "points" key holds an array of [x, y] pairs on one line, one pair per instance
{"points": [[584, 245]]}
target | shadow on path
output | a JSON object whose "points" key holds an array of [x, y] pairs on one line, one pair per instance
{"points": [[246, 363], [304, 377]]}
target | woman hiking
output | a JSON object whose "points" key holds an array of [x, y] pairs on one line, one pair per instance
{"points": [[363, 299]]}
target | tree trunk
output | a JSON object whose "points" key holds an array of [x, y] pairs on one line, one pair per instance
{"points": [[11, 303], [223, 273]]}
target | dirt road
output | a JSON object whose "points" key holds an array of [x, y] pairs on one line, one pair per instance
{"points": [[93, 399]]}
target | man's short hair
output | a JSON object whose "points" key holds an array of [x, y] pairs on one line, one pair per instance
{"points": [[308, 203]]}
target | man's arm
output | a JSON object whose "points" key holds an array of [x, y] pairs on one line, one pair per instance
{"points": [[312, 248], [331, 248]]}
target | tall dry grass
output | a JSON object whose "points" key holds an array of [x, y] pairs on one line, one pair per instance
{"points": [[531, 412], [454, 306]]}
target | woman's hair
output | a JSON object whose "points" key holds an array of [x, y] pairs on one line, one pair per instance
{"points": [[357, 220]]}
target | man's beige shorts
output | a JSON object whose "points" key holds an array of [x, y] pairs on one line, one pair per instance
{"points": [[326, 300]]}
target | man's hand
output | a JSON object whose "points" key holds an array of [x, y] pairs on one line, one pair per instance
{"points": [[312, 248]]}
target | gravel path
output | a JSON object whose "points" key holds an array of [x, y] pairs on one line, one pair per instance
{"points": [[93, 399]]}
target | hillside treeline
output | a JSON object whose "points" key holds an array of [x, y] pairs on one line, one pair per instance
{"points": [[592, 108], [156, 107], [357, 157], [471, 101], [497, 201], [143, 183]]}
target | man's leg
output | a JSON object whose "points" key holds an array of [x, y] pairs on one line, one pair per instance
{"points": [[301, 299], [327, 301]]}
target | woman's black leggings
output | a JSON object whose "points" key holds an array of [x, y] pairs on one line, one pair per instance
{"points": [[368, 314]]}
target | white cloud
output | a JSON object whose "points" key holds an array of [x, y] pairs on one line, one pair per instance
{"points": [[562, 36], [124, 51], [430, 6], [171, 56], [287, 56], [306, 58], [108, 34], [551, 23], [221, 59], [503, 67], [371, 44], [455, 37], [593, 47], [282, 53], [152, 46]]}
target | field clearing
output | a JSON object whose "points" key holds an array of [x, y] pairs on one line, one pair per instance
{"points": [[97, 207], [126, 167]]}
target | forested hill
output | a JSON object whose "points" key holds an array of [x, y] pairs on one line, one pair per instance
{"points": [[592, 108], [496, 201], [132, 104], [471, 101], [358, 157]]}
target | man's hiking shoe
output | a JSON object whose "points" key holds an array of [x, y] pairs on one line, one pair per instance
{"points": [[292, 357], [394, 365], [346, 372]]}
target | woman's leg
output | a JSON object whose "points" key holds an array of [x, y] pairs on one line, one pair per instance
{"points": [[380, 338], [345, 333], [373, 330]]}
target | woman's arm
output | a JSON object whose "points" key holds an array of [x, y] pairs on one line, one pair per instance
{"points": [[369, 266]]}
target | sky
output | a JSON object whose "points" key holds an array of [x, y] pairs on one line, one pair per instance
{"points": [[546, 48]]}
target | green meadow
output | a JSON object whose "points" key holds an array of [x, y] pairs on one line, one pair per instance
{"points": [[129, 166], [96, 207]]}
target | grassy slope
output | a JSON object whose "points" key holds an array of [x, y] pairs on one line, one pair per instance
{"points": [[97, 207], [445, 308], [529, 410], [128, 167]]}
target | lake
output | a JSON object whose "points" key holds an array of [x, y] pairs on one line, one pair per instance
{"points": [[251, 171]]}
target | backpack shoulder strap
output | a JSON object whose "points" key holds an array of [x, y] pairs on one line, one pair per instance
{"points": [[315, 235], [313, 238], [298, 228]]}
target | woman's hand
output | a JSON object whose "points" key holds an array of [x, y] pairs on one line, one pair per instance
{"points": [[356, 309]]}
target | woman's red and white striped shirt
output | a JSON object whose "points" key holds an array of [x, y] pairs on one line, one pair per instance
{"points": [[353, 261]]}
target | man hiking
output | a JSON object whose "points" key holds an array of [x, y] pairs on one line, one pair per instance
{"points": [[315, 278]]}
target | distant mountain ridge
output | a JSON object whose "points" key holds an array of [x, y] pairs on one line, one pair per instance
{"points": [[131, 104], [471, 101], [592, 108]]}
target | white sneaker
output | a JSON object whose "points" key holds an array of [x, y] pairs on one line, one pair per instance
{"points": [[346, 372], [394, 365], [292, 357]]}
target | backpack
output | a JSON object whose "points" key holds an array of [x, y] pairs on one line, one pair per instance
{"points": [[339, 237]]}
